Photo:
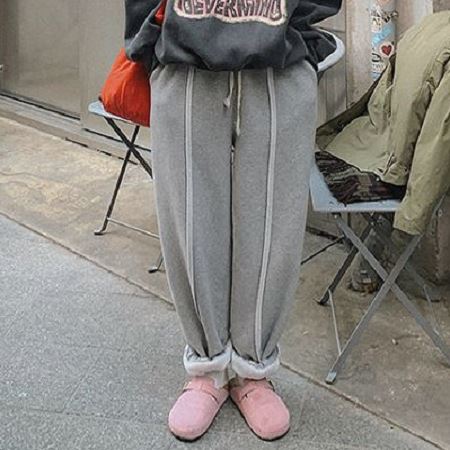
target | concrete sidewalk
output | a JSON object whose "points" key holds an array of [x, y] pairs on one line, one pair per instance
{"points": [[88, 361], [61, 190]]}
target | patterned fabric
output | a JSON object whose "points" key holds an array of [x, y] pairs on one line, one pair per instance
{"points": [[348, 184]]}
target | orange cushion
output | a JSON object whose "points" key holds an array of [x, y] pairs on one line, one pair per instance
{"points": [[126, 92]]}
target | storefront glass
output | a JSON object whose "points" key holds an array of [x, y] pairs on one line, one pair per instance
{"points": [[41, 52]]}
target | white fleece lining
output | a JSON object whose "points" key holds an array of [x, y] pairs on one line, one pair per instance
{"points": [[239, 103], [334, 57], [246, 368], [196, 365]]}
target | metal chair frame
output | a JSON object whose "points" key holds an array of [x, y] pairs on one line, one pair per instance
{"points": [[324, 202], [97, 109]]}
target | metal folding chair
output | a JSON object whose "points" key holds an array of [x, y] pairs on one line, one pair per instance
{"points": [[323, 201], [97, 109]]}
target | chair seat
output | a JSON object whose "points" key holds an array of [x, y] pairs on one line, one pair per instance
{"points": [[98, 109], [324, 201]]}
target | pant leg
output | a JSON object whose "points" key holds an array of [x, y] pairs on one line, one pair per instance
{"points": [[191, 148], [270, 196]]}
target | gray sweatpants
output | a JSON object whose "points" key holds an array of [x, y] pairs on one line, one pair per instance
{"points": [[231, 157]]}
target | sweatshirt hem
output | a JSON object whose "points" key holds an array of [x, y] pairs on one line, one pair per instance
{"points": [[332, 58]]}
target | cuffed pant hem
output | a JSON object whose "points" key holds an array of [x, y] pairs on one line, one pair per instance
{"points": [[196, 365], [246, 368]]}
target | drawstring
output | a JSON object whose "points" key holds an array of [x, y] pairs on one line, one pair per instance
{"points": [[228, 98], [269, 212], [239, 103]]}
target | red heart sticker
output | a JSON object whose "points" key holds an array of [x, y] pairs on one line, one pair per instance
{"points": [[386, 49]]}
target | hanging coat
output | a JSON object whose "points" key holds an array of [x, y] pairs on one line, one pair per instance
{"points": [[400, 129]]}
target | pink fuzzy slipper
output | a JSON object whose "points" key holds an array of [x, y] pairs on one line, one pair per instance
{"points": [[196, 407], [263, 409]]}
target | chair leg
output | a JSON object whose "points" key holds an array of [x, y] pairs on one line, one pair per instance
{"points": [[418, 279], [414, 311], [157, 265], [376, 302], [132, 150], [355, 337], [389, 284], [112, 203], [131, 146], [343, 269], [411, 307]]}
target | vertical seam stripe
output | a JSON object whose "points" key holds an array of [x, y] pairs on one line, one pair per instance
{"points": [[268, 214], [189, 186]]}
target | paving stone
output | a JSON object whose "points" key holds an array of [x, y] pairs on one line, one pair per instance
{"points": [[41, 376], [87, 319], [9, 311], [38, 430], [224, 440], [92, 363], [147, 323], [29, 262], [248, 441], [11, 231], [80, 433], [27, 430], [62, 190], [130, 385], [325, 418]]}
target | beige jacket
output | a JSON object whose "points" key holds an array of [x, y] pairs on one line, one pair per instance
{"points": [[400, 130]]}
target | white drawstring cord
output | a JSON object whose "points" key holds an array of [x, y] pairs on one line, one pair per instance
{"points": [[227, 99], [239, 103]]}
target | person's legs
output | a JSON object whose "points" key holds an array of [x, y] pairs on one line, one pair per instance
{"points": [[270, 196], [191, 154], [191, 142], [269, 204]]}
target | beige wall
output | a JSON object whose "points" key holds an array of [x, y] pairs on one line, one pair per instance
{"points": [[359, 38]]}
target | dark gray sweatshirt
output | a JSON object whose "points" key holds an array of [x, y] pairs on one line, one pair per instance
{"points": [[231, 34]]}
